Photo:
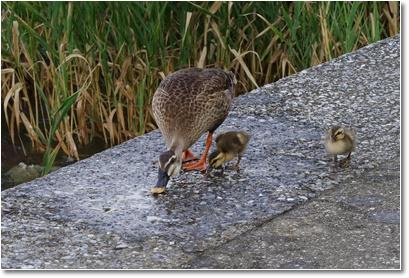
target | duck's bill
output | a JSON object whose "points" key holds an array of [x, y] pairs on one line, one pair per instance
{"points": [[158, 190], [163, 180]]}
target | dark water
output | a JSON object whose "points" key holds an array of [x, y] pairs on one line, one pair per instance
{"points": [[12, 155]]}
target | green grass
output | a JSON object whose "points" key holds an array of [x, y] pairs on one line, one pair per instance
{"points": [[76, 71]]}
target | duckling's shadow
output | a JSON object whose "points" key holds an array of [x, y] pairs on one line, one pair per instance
{"points": [[226, 173], [340, 166]]}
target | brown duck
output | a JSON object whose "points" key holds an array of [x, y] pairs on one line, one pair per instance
{"points": [[187, 104]]}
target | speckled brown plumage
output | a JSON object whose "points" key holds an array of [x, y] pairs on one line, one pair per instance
{"points": [[191, 102]]}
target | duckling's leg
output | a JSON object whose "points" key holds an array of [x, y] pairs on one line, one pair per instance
{"points": [[200, 165], [188, 156], [345, 163], [236, 166]]}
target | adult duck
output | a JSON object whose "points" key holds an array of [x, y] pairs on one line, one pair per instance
{"points": [[187, 104]]}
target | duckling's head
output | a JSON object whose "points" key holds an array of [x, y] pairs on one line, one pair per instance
{"points": [[216, 159], [169, 165], [337, 133]]}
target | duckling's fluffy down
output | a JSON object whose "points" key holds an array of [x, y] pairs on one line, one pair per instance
{"points": [[342, 146], [338, 147]]}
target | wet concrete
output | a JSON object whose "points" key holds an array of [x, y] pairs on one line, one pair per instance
{"points": [[99, 213]]}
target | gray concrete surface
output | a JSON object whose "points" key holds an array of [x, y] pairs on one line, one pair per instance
{"points": [[288, 207]]}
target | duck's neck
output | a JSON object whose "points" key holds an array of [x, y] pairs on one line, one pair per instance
{"points": [[178, 150]]}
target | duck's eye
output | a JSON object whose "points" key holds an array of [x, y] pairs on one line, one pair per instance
{"points": [[170, 161]]}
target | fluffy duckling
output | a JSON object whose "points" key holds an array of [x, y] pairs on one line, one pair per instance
{"points": [[340, 140], [229, 145]]}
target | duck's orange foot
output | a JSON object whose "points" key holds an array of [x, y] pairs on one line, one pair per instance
{"points": [[200, 165], [188, 156]]}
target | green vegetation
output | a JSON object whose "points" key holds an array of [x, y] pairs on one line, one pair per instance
{"points": [[74, 71]]}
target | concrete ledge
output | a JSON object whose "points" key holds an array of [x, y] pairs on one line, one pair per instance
{"points": [[99, 213]]}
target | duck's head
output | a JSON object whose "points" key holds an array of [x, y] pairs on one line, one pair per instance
{"points": [[337, 133], [169, 165]]}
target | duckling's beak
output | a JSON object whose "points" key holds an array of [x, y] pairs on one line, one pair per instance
{"points": [[163, 179]]}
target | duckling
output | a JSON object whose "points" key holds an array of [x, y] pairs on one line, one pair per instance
{"points": [[187, 104], [340, 140], [229, 145]]}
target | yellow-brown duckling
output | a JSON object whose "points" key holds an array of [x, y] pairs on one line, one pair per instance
{"points": [[229, 145], [340, 140]]}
